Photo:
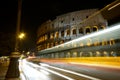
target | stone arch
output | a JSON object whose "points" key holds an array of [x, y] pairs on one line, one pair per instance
{"points": [[74, 31], [95, 28], [57, 34], [112, 42], [87, 30]]}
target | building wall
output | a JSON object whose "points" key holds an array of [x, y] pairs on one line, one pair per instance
{"points": [[69, 26]]}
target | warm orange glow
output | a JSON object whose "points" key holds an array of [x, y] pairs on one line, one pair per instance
{"points": [[22, 35]]}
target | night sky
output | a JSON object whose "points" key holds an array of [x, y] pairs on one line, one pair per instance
{"points": [[35, 12]]}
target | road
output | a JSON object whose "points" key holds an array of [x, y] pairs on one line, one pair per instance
{"points": [[43, 71]]}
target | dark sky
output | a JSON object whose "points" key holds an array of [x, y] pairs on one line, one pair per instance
{"points": [[34, 12]]}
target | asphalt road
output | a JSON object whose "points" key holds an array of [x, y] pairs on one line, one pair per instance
{"points": [[63, 71]]}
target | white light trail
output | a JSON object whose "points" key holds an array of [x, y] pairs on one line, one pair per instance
{"points": [[54, 72], [22, 76], [113, 6], [45, 72], [31, 73], [38, 67], [72, 72], [45, 69]]}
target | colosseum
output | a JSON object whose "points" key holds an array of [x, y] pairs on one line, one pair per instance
{"points": [[69, 26]]}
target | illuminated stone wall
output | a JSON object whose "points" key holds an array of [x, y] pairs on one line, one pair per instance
{"points": [[69, 26]]}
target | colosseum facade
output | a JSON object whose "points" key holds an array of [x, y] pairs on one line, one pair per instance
{"points": [[69, 26]]}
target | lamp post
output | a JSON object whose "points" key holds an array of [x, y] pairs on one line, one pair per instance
{"points": [[18, 24], [21, 37], [13, 69]]}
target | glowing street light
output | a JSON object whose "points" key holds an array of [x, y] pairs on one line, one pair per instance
{"points": [[21, 36]]}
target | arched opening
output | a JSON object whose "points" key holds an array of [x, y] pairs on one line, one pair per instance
{"points": [[112, 42], [89, 42], [68, 32], [95, 28], [102, 27], [52, 55], [113, 54], [46, 37], [81, 31], [85, 54], [96, 42], [61, 41], [105, 54], [56, 43], [57, 34], [87, 30], [68, 55], [62, 33], [74, 31], [56, 55], [51, 36], [98, 54], [81, 53], [74, 54], [42, 38], [74, 44], [81, 44], [91, 54], [104, 42], [48, 45], [52, 44]]}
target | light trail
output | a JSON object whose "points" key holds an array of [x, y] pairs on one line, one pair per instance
{"points": [[114, 6], [36, 74], [72, 72], [22, 76], [31, 73], [54, 72]]}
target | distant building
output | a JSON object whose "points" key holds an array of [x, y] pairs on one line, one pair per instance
{"points": [[69, 26]]}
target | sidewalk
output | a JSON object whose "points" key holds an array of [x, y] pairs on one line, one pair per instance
{"points": [[3, 70]]}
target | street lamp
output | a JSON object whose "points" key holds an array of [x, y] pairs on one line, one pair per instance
{"points": [[13, 70], [21, 36]]}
